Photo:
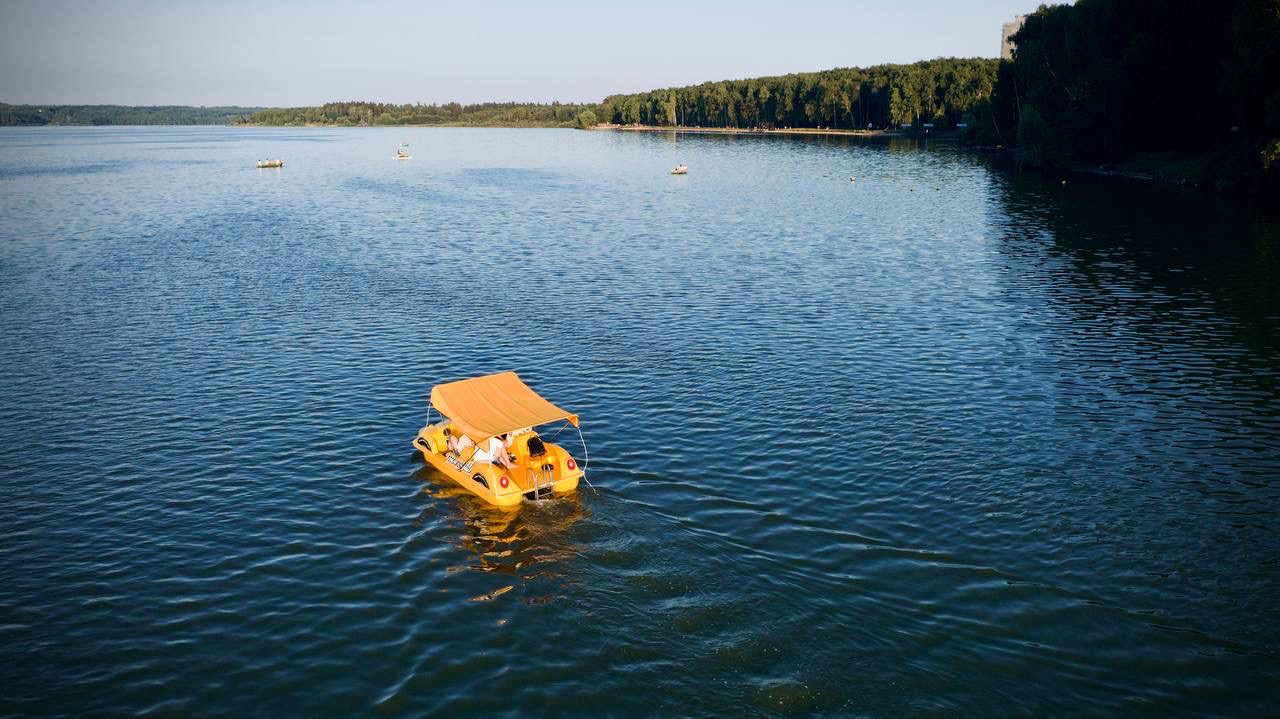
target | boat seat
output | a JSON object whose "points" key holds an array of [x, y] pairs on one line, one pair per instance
{"points": [[537, 459]]}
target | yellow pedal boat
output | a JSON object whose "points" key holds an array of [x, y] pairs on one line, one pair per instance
{"points": [[499, 407]]}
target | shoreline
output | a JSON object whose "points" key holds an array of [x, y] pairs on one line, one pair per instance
{"points": [[325, 125], [1120, 172], [1131, 171], [1111, 171], [604, 127]]}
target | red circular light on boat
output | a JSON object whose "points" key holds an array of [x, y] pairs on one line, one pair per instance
{"points": [[572, 464], [503, 481]]}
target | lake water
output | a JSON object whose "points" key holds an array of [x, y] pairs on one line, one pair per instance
{"points": [[942, 441]]}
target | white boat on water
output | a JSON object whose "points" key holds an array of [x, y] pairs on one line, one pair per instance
{"points": [[270, 163], [402, 152], [680, 170]]}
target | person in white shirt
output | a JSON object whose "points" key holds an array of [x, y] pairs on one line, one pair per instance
{"points": [[511, 438], [494, 451]]}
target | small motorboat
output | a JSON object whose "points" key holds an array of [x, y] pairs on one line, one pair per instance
{"points": [[680, 170], [402, 153], [499, 412], [270, 163]]}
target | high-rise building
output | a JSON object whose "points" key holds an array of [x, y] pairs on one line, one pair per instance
{"points": [[1006, 31]]}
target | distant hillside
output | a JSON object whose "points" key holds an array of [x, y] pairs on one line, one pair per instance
{"points": [[120, 115], [488, 114]]}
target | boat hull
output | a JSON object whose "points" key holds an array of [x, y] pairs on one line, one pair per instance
{"points": [[531, 479]]}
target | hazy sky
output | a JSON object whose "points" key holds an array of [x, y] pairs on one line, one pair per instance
{"points": [[233, 52]]}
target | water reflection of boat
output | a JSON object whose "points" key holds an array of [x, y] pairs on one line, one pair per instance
{"points": [[680, 170], [270, 163], [527, 545]]}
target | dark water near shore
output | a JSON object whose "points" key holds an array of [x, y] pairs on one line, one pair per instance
{"points": [[944, 441]]}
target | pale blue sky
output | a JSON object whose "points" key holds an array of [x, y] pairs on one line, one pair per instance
{"points": [[237, 52]]}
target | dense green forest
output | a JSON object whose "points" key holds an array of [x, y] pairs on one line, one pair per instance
{"points": [[941, 92], [489, 114], [944, 92], [1109, 81], [119, 115]]}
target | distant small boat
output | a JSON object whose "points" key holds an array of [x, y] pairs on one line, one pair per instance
{"points": [[270, 163], [680, 170], [401, 153]]}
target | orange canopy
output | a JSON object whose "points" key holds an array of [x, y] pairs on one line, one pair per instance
{"points": [[494, 404]]}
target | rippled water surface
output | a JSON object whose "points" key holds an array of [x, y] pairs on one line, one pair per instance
{"points": [[944, 440]]}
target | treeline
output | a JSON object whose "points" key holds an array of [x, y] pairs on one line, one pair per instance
{"points": [[1108, 81], [944, 92], [488, 114], [120, 115]]}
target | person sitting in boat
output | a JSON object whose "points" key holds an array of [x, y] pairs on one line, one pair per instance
{"points": [[459, 443], [495, 452], [511, 437]]}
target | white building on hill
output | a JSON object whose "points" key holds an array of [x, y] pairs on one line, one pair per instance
{"points": [[1006, 31]]}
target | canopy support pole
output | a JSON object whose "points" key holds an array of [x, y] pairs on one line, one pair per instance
{"points": [[558, 431]]}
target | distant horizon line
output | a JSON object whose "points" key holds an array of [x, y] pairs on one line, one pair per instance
{"points": [[512, 102]]}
